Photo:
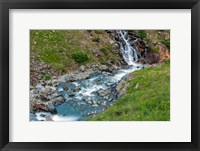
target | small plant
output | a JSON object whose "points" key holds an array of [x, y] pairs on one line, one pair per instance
{"points": [[103, 61], [80, 57], [105, 49], [147, 40], [154, 48], [142, 34], [96, 39], [47, 76], [166, 43]]}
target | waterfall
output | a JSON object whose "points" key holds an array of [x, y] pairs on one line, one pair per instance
{"points": [[129, 53]]}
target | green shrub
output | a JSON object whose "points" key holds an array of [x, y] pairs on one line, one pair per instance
{"points": [[96, 39], [154, 48], [80, 57], [166, 43], [105, 49], [142, 34], [103, 61], [47, 76]]}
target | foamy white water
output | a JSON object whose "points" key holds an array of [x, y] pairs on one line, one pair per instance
{"points": [[41, 116], [129, 53]]}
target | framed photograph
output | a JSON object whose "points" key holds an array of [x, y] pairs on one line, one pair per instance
{"points": [[99, 75]]}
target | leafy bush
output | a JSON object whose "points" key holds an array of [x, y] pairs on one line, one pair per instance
{"points": [[142, 34], [96, 39], [80, 57], [105, 49], [166, 43]]}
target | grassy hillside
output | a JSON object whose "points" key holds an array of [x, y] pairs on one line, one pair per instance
{"points": [[147, 97], [67, 49]]}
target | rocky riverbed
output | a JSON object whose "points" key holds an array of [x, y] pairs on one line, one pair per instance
{"points": [[78, 95]]}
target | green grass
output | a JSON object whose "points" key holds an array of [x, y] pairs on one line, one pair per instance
{"points": [[106, 49], [149, 102], [60, 48], [47, 76], [55, 47], [142, 34], [96, 38]]}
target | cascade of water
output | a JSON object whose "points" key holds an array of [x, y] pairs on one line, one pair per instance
{"points": [[129, 53]]}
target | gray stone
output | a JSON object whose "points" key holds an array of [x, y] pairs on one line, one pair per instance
{"points": [[82, 68], [103, 68], [121, 88], [115, 46]]}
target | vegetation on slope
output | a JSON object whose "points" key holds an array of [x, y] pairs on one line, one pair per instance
{"points": [[147, 98], [155, 37], [57, 52], [67, 49]]}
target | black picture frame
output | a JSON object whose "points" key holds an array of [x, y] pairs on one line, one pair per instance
{"points": [[5, 5]]}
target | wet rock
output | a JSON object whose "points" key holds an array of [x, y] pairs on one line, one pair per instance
{"points": [[48, 118], [50, 90], [56, 101], [40, 107], [113, 67], [42, 115], [51, 107], [43, 98], [33, 117], [38, 88]]}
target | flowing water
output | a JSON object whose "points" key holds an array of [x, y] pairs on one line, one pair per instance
{"points": [[128, 52], [89, 97]]}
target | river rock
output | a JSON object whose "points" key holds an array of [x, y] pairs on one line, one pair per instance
{"points": [[40, 106], [70, 77], [103, 68], [115, 48], [38, 87], [51, 107], [82, 68], [57, 100], [48, 118], [121, 88], [111, 41]]}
